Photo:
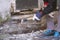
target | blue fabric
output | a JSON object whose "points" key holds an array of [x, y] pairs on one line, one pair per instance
{"points": [[56, 34], [38, 14], [47, 32]]}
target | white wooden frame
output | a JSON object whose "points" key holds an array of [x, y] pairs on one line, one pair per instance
{"points": [[40, 5]]}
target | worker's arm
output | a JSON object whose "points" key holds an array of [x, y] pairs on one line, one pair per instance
{"points": [[50, 7]]}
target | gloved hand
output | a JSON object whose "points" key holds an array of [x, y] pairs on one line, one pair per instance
{"points": [[51, 14], [37, 16]]}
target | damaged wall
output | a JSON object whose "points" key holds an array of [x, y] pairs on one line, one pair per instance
{"points": [[5, 6]]}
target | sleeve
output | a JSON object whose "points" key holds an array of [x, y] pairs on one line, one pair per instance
{"points": [[51, 7]]}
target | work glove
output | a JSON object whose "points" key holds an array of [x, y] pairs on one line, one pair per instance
{"points": [[37, 15]]}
